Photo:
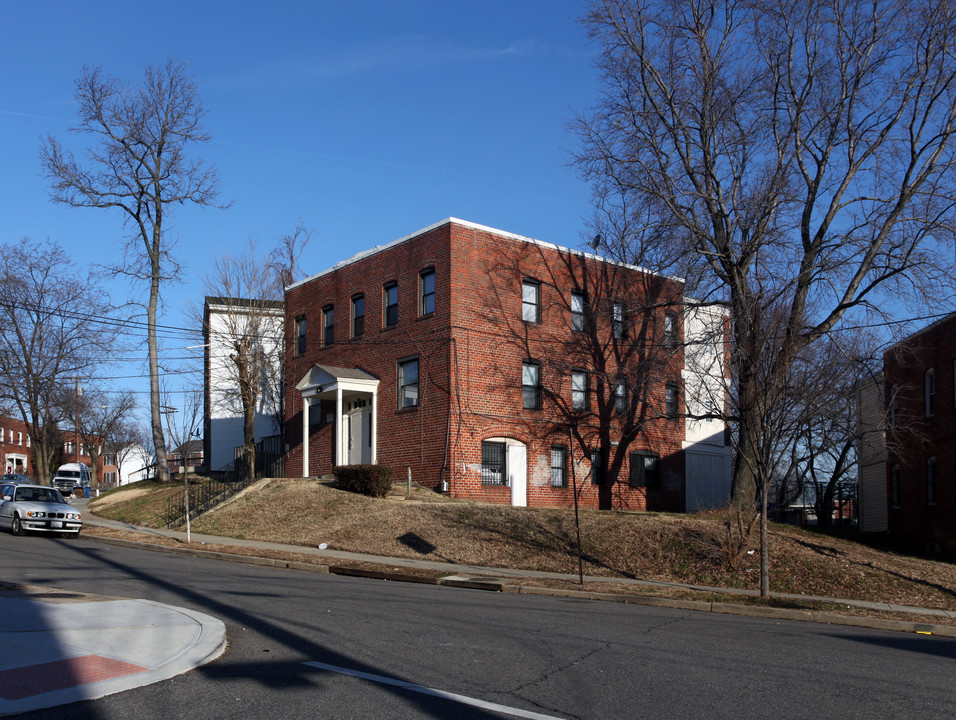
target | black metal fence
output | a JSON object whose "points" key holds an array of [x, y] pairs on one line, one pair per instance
{"points": [[206, 493]]}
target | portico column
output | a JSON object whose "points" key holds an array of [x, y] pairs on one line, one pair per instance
{"points": [[338, 426], [374, 429], [305, 437]]}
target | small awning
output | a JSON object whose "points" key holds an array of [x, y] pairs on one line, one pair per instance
{"points": [[324, 381]]}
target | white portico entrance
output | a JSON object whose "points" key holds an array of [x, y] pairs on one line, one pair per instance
{"points": [[355, 393]]}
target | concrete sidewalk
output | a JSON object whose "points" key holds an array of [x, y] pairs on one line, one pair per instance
{"points": [[62, 647]]}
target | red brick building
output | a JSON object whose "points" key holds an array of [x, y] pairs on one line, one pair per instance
{"points": [[921, 437], [15, 447], [16, 451], [505, 369], [106, 467]]}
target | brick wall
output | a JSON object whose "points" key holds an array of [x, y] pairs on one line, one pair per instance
{"points": [[916, 438], [471, 351]]}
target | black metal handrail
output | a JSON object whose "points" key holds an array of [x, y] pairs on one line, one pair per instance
{"points": [[207, 493]]}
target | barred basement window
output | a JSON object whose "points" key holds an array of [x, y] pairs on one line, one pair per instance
{"points": [[559, 466], [493, 469]]}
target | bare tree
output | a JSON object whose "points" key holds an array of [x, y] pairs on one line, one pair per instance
{"points": [[243, 319], [139, 166], [800, 153], [49, 314], [284, 258], [607, 381], [101, 418]]}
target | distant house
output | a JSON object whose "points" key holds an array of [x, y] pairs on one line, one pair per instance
{"points": [[501, 368], [15, 447], [224, 320], [920, 471], [74, 449], [187, 456], [134, 463]]}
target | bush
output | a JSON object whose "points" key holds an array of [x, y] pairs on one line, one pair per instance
{"points": [[372, 480]]}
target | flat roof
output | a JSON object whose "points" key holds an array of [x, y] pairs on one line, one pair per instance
{"points": [[482, 228]]}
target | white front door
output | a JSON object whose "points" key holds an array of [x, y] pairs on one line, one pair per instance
{"points": [[518, 474], [359, 435]]}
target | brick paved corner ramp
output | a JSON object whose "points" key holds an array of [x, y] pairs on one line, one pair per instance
{"points": [[61, 647]]}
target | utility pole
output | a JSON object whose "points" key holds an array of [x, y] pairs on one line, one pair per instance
{"points": [[76, 419]]}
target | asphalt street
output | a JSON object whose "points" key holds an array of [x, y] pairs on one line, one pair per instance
{"points": [[305, 645]]}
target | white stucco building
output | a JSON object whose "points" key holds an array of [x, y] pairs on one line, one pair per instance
{"points": [[706, 453], [225, 320]]}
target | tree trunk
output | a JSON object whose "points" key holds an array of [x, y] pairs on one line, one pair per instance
{"points": [[159, 442], [764, 546]]}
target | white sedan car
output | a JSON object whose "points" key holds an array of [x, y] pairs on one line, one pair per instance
{"points": [[37, 507]]}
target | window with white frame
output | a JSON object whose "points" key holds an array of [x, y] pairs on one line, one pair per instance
{"points": [[579, 390], [531, 301], [358, 316], [300, 335], [559, 466], [408, 383], [929, 392], [390, 302], [670, 400], [620, 395], [578, 311], [670, 329], [531, 385], [493, 463], [328, 325], [618, 321], [426, 285]]}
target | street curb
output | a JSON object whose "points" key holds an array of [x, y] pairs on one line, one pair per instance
{"points": [[503, 586]]}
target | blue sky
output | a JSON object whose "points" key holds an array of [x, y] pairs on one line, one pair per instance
{"points": [[366, 119]]}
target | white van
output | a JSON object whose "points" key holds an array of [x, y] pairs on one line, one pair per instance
{"points": [[71, 475]]}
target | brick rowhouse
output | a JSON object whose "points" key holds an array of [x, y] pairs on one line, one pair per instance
{"points": [[504, 369]]}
